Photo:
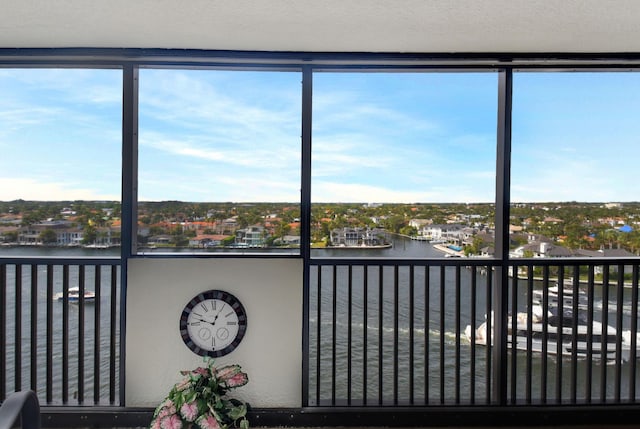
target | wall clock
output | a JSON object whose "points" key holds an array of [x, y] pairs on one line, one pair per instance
{"points": [[213, 323]]}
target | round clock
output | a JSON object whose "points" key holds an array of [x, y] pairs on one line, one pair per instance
{"points": [[213, 323]]}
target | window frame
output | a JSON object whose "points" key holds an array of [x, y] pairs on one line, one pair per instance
{"points": [[131, 60]]}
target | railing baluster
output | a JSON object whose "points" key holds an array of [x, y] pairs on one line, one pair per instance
{"points": [[529, 375], [365, 324], [3, 330], [18, 330], [81, 286], [634, 333], [411, 334], [334, 319], [442, 332], [349, 330], [574, 330], [472, 370], [513, 327], [619, 329], [380, 334], [65, 334], [33, 348], [113, 336], [427, 326], [560, 335], [457, 333], [319, 336], [49, 394], [489, 334], [603, 336], [97, 333], [589, 358], [545, 333], [396, 338]]}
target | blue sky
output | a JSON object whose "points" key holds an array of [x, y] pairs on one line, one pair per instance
{"points": [[377, 137]]}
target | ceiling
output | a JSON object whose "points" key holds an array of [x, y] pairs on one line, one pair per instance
{"points": [[419, 26]]}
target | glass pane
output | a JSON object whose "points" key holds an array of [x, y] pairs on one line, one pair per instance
{"points": [[575, 156], [219, 161], [60, 168], [403, 164]]}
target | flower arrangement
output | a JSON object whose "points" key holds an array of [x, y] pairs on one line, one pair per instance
{"points": [[199, 400]]}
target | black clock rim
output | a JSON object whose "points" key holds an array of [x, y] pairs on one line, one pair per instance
{"points": [[230, 299]]}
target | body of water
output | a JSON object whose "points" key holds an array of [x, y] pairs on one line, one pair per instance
{"points": [[79, 345], [381, 334], [378, 334]]}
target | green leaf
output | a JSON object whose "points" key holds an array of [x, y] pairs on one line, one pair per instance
{"points": [[237, 412]]}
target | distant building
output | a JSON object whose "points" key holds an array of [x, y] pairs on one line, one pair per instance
{"points": [[419, 224], [32, 234], [207, 240], [450, 233], [352, 237], [253, 236]]}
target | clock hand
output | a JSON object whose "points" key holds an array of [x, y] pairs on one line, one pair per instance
{"points": [[205, 321], [218, 314]]}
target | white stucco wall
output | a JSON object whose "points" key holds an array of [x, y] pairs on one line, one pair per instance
{"points": [[271, 351]]}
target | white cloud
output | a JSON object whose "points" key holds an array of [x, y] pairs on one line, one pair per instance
{"points": [[12, 188], [335, 192]]}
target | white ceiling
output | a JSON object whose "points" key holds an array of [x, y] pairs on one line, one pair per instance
{"points": [[425, 26]]}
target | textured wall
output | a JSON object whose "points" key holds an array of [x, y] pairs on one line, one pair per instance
{"points": [[271, 351], [332, 25]]}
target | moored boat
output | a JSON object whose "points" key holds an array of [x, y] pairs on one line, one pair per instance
{"points": [[565, 334], [568, 297], [73, 295]]}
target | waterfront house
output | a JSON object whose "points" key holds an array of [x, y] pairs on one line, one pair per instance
{"points": [[355, 237], [450, 233], [207, 240], [252, 236]]}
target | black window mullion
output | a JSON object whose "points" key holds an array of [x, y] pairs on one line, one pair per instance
{"points": [[305, 226], [129, 200], [500, 293]]}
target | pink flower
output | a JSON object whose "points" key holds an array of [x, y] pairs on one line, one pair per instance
{"points": [[156, 423], [171, 422], [183, 385], [201, 371], [167, 408], [189, 411], [167, 403], [240, 379], [226, 372], [208, 422]]}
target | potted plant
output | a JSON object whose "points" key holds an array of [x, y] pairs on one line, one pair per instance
{"points": [[199, 400]]}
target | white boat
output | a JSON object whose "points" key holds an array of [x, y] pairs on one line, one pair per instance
{"points": [[560, 336], [553, 297], [73, 295]]}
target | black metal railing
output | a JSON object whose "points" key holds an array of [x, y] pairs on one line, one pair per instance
{"points": [[59, 329], [420, 333], [381, 332]]}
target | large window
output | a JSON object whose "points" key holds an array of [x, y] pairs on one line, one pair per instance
{"points": [[574, 163], [403, 164], [60, 168], [219, 161]]}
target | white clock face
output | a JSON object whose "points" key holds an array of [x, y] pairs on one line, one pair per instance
{"points": [[213, 323]]}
